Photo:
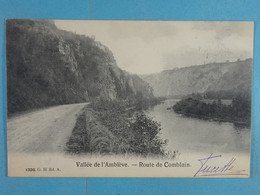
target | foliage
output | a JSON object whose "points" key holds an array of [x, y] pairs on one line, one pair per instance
{"points": [[146, 139], [238, 112], [89, 137], [117, 129], [143, 103], [37, 75], [47, 66]]}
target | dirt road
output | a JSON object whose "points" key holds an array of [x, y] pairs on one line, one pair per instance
{"points": [[45, 130]]}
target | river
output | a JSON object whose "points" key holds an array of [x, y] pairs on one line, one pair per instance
{"points": [[192, 135]]}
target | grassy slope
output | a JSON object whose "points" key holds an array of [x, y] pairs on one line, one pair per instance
{"points": [[89, 135], [111, 128]]}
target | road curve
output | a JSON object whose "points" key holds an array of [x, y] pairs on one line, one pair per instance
{"points": [[45, 130]]}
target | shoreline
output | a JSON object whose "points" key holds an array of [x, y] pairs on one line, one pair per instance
{"points": [[242, 123]]}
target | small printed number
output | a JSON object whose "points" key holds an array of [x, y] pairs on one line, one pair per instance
{"points": [[30, 169]]}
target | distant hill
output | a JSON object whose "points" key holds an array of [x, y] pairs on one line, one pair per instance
{"points": [[47, 66], [233, 77]]}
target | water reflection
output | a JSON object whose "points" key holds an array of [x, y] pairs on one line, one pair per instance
{"points": [[188, 134]]}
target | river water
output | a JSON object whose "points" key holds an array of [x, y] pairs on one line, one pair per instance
{"points": [[191, 135]]}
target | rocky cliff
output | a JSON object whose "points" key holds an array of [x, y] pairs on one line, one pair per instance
{"points": [[47, 66], [229, 76]]}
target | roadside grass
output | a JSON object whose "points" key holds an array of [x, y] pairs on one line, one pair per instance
{"points": [[110, 128], [89, 136]]}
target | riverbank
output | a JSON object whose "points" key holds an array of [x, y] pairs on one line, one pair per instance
{"points": [[238, 112], [192, 135], [109, 127]]}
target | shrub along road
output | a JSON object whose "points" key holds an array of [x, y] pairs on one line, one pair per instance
{"points": [[45, 130]]}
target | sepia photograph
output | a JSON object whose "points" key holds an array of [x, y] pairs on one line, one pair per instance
{"points": [[90, 98]]}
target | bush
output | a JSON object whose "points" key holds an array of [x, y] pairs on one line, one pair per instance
{"points": [[146, 139], [135, 132]]}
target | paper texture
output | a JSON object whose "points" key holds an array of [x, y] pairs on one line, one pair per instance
{"points": [[128, 98]]}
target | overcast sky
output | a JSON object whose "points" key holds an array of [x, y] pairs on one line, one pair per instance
{"points": [[152, 46]]}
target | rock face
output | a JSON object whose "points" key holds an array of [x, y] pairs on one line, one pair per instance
{"points": [[47, 66], [228, 76]]}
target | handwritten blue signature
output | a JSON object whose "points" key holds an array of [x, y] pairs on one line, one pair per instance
{"points": [[208, 170]]}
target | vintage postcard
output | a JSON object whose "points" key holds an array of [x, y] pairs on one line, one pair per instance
{"points": [[128, 98]]}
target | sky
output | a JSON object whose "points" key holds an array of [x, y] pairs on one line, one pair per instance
{"points": [[145, 47]]}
